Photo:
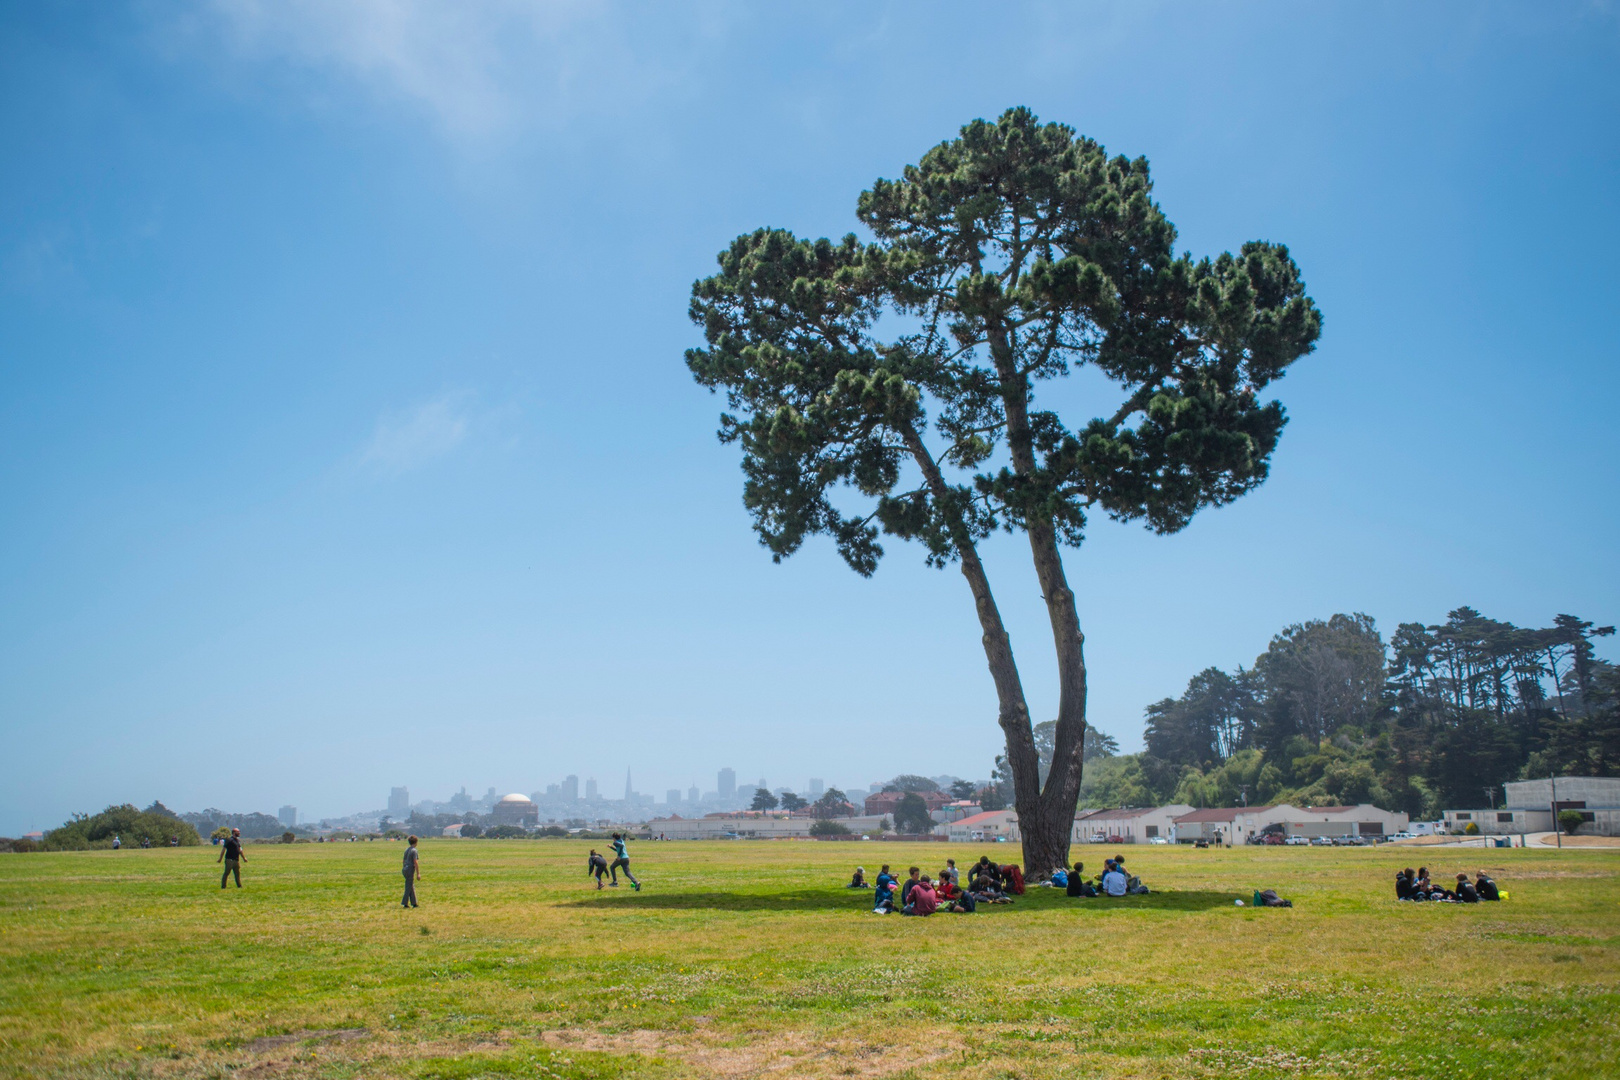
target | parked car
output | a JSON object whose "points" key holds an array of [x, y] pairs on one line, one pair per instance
{"points": [[1096, 838], [1402, 835], [1321, 841], [1157, 840], [1273, 839], [1296, 841]]}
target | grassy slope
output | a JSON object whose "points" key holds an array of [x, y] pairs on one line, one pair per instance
{"points": [[747, 957]]}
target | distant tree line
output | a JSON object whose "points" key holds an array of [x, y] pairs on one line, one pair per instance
{"points": [[253, 826], [1329, 714], [157, 824]]}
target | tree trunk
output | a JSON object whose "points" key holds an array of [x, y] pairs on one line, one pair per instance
{"points": [[1013, 710], [1046, 817]]}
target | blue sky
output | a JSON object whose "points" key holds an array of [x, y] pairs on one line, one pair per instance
{"points": [[345, 439]]}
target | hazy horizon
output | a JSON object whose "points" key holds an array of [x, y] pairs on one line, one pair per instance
{"points": [[346, 440]]}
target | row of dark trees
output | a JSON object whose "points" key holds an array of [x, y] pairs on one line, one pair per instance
{"points": [[1439, 717]]}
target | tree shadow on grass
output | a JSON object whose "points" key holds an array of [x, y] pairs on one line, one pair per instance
{"points": [[860, 903]]}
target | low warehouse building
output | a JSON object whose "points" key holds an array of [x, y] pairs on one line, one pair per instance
{"points": [[1133, 825]]}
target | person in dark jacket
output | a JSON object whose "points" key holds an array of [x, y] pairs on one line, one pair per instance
{"points": [[230, 853], [596, 866], [911, 883], [1405, 884], [1466, 891], [1078, 885], [1486, 887]]}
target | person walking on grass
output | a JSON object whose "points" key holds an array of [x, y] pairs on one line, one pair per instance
{"points": [[597, 867], [413, 873], [621, 857], [230, 853]]}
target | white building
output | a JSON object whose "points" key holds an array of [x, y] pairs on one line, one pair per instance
{"points": [[1231, 825], [1363, 819], [749, 826], [1133, 825], [1530, 807], [1236, 825], [991, 825]]}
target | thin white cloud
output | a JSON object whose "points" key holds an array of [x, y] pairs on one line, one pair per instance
{"points": [[413, 437], [476, 71]]}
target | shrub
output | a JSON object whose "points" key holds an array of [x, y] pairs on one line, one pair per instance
{"points": [[221, 833], [470, 832], [824, 827], [287, 838], [553, 830], [1473, 829], [21, 845], [505, 832], [1570, 820]]}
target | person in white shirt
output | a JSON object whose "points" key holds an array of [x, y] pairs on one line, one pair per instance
{"points": [[1113, 882]]}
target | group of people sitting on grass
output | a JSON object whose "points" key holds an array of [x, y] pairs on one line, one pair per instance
{"points": [[1415, 885], [1114, 880], [920, 894]]}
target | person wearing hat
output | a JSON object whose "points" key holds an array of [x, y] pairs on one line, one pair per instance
{"points": [[858, 880], [230, 853]]}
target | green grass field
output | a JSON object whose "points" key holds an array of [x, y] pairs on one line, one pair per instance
{"points": [[744, 959]]}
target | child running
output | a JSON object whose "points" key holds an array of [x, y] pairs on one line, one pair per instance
{"points": [[598, 867], [621, 857]]}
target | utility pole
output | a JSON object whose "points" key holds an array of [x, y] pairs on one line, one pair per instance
{"points": [[1557, 832]]}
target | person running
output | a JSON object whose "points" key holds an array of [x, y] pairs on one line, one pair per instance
{"points": [[230, 853], [598, 867], [621, 857], [413, 872]]}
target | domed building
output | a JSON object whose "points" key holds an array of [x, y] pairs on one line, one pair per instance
{"points": [[517, 809]]}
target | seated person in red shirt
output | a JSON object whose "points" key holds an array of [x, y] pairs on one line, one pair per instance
{"points": [[923, 898], [952, 898]]}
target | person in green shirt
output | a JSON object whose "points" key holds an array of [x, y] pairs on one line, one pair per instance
{"points": [[621, 858]]}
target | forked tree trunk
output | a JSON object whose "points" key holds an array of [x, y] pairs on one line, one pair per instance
{"points": [[1045, 818]]}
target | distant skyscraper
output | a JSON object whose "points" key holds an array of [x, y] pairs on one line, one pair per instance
{"points": [[570, 788], [693, 794], [763, 784], [590, 789], [816, 787], [399, 800], [728, 784], [629, 792], [554, 791], [673, 796], [288, 816]]}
